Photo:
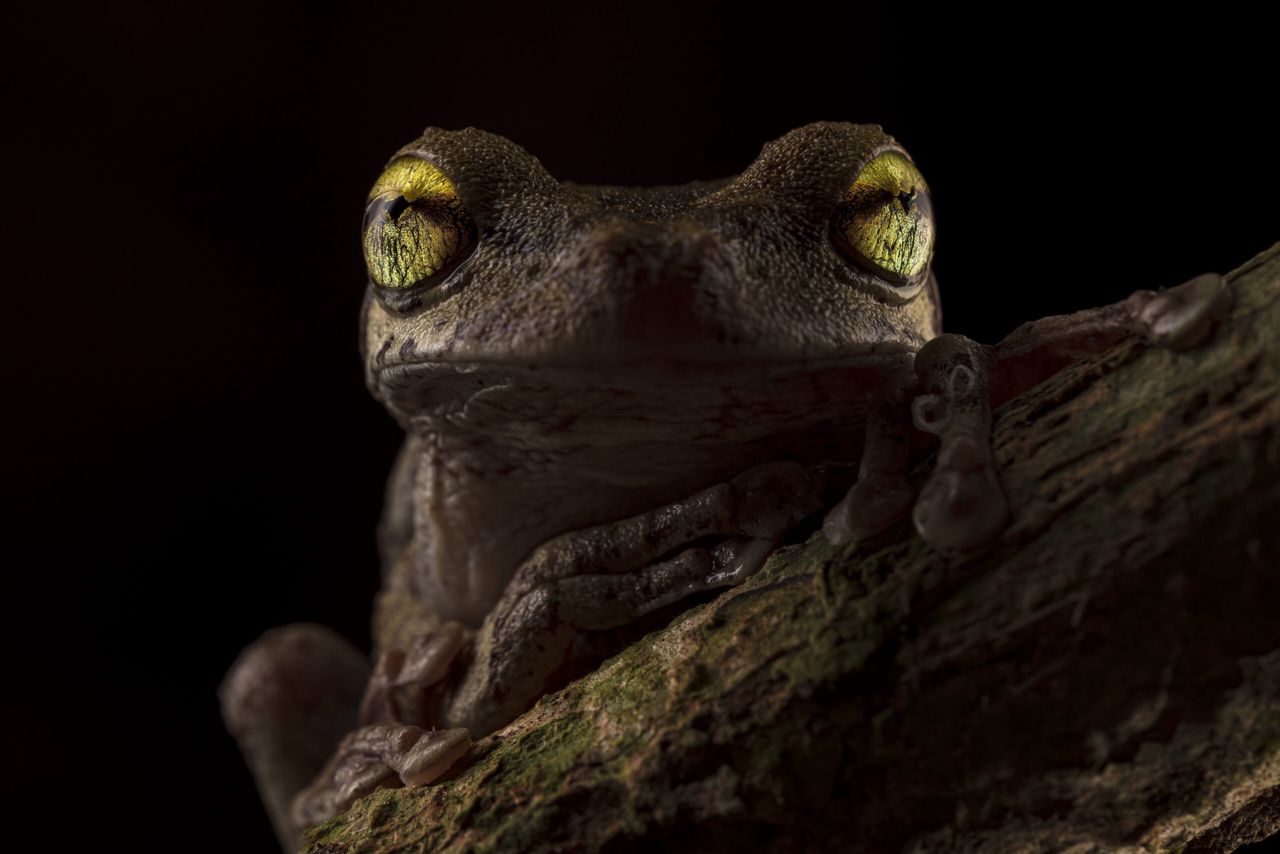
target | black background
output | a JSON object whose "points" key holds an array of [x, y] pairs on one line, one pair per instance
{"points": [[193, 457]]}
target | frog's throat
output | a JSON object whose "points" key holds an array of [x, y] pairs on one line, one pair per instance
{"points": [[514, 462]]}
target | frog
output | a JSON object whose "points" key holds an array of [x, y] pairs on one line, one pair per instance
{"points": [[618, 401]]}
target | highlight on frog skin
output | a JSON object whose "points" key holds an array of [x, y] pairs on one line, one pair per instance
{"points": [[416, 229], [884, 222]]}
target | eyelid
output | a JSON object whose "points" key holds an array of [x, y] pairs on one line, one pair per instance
{"points": [[414, 178], [887, 163]]}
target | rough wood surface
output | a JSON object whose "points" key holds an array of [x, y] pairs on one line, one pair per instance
{"points": [[1105, 678]]}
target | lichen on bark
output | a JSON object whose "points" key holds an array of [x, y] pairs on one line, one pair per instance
{"points": [[1106, 677]]}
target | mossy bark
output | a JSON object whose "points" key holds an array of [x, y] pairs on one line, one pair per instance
{"points": [[1106, 677]]}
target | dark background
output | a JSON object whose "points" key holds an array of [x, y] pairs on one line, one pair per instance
{"points": [[193, 457]]}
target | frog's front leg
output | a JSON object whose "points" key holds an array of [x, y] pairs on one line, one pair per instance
{"points": [[611, 575], [962, 505], [883, 493]]}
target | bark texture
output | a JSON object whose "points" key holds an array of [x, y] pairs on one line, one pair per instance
{"points": [[1106, 677]]}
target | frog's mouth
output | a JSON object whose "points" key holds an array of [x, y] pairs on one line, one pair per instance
{"points": [[673, 401], [393, 378]]}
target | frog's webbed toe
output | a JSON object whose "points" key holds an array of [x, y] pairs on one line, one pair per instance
{"points": [[1181, 317], [961, 506], [343, 785], [379, 756]]}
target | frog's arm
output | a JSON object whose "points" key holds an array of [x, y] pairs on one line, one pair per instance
{"points": [[962, 505], [300, 691], [883, 492], [613, 574], [593, 579]]}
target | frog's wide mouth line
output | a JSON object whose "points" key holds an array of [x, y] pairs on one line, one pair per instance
{"points": [[886, 359], [756, 396]]}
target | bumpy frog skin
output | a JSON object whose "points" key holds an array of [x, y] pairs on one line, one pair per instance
{"points": [[616, 398]]}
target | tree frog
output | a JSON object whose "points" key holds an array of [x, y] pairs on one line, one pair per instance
{"points": [[617, 398]]}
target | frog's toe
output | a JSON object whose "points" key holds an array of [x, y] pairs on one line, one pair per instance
{"points": [[961, 509], [874, 503], [432, 754], [1180, 318], [380, 756], [340, 786]]}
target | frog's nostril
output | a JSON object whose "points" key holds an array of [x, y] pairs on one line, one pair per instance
{"points": [[660, 284], [642, 255]]}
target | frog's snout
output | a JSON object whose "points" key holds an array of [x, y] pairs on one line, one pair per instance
{"points": [[661, 286]]}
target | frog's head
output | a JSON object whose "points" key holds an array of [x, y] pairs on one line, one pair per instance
{"points": [[820, 251]]}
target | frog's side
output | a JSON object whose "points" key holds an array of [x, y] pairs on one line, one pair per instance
{"points": [[614, 398]]}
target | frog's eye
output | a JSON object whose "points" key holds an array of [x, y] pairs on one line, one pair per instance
{"points": [[416, 229], [884, 223]]}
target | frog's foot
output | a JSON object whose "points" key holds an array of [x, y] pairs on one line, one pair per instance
{"points": [[397, 690], [380, 756], [1180, 318], [611, 575], [287, 700], [961, 507]]}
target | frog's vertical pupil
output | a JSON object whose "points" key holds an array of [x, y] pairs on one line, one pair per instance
{"points": [[416, 230], [397, 207], [884, 223]]}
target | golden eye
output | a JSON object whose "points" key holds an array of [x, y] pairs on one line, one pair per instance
{"points": [[415, 227], [885, 220]]}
